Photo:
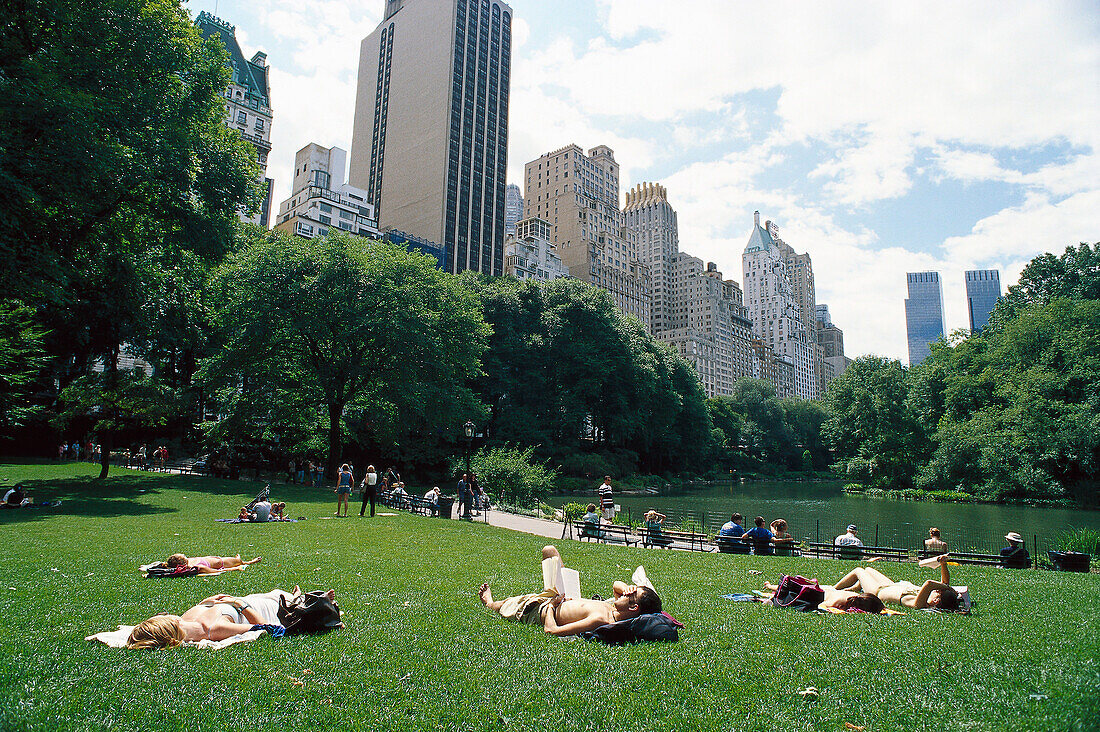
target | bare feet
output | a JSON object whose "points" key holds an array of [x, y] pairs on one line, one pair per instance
{"points": [[253, 561], [485, 594], [297, 591], [331, 595]]}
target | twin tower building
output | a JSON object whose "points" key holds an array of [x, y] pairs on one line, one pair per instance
{"points": [[428, 168]]}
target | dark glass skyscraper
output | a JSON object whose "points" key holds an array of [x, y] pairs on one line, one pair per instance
{"points": [[430, 139], [983, 289], [923, 313]]}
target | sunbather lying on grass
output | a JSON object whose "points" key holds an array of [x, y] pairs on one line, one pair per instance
{"points": [[210, 565], [845, 600], [561, 617], [930, 594], [216, 618]]}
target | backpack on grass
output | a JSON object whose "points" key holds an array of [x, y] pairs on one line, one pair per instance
{"points": [[798, 593], [311, 612]]}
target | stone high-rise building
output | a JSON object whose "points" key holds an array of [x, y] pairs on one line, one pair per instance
{"points": [[775, 309], [648, 212], [247, 101], [513, 209], [578, 195], [923, 313], [430, 138], [321, 200], [983, 290], [530, 255], [830, 340]]}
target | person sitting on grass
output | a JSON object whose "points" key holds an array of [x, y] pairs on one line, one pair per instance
{"points": [[940, 595], [215, 618], [244, 514], [278, 511], [561, 617], [15, 497], [209, 565]]}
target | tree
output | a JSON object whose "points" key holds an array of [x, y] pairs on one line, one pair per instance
{"points": [[1073, 276], [875, 435], [342, 325], [21, 363]]}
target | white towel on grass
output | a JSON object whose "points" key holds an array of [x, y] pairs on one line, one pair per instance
{"points": [[117, 638]]}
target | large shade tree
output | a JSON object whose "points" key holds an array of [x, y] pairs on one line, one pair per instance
{"points": [[318, 331]]}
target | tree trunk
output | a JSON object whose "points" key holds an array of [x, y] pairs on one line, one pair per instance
{"points": [[335, 446]]}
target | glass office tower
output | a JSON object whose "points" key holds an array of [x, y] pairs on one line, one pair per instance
{"points": [[923, 313], [983, 289]]}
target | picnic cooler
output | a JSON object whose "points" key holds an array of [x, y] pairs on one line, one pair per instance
{"points": [[1069, 561]]}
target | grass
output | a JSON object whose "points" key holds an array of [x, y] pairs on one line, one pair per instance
{"points": [[419, 652]]}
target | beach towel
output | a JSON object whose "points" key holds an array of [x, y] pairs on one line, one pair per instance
{"points": [[117, 639]]}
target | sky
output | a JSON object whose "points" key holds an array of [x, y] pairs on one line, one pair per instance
{"points": [[881, 137]]}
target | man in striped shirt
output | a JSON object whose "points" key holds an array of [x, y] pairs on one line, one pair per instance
{"points": [[607, 500]]}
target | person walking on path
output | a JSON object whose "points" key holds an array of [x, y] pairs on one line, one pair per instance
{"points": [[462, 497], [607, 499], [368, 486], [344, 482]]}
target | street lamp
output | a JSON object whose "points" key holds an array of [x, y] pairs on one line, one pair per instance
{"points": [[469, 428]]}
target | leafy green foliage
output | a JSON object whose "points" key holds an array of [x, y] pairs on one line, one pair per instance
{"points": [[342, 330], [511, 475], [21, 362]]}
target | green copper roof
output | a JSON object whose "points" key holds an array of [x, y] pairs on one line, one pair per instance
{"points": [[249, 75], [759, 241]]}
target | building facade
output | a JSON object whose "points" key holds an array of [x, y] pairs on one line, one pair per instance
{"points": [[430, 137], [578, 195], [923, 313], [648, 212], [247, 102], [775, 309], [321, 201], [983, 289], [530, 255], [513, 209], [830, 341]]}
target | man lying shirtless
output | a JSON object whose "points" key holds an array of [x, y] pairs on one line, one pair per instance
{"points": [[559, 616]]}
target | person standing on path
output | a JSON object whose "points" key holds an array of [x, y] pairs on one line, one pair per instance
{"points": [[370, 481], [607, 499]]}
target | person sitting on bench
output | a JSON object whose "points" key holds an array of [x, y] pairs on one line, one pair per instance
{"points": [[1015, 556], [932, 594], [215, 618], [209, 565], [655, 525], [592, 520], [561, 617]]}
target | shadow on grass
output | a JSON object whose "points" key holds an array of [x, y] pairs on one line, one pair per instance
{"points": [[123, 493]]}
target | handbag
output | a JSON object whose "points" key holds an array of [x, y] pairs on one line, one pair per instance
{"points": [[795, 592]]}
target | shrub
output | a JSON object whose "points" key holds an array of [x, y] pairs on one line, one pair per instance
{"points": [[1086, 541], [509, 475], [574, 511]]}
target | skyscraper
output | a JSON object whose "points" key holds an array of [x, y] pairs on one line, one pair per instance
{"points": [[578, 195], [513, 209], [774, 305], [983, 289], [648, 212], [247, 100], [923, 313], [430, 138]]}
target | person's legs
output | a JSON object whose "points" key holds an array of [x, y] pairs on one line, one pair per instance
{"points": [[849, 581], [879, 577], [363, 507], [871, 580], [486, 597], [371, 489]]}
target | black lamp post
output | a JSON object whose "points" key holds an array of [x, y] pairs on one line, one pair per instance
{"points": [[469, 429]]}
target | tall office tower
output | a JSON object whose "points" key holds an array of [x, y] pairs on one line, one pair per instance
{"points": [[247, 101], [776, 310], [321, 200], [513, 209], [430, 138], [923, 313], [530, 255], [648, 212], [983, 289], [830, 339], [578, 195]]}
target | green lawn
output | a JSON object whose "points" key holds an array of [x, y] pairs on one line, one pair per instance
{"points": [[419, 652]]}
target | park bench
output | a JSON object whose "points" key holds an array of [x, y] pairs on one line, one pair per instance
{"points": [[606, 532], [666, 538], [822, 549], [988, 560], [732, 545]]}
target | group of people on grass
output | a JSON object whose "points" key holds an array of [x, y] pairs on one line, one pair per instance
{"points": [[262, 511]]}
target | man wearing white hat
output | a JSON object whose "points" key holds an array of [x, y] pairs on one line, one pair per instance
{"points": [[1015, 556]]}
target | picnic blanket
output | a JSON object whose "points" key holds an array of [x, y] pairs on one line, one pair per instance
{"points": [[117, 639]]}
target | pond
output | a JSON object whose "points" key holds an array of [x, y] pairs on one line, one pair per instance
{"points": [[821, 511]]}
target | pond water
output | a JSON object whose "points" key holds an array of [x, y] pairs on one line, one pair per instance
{"points": [[821, 511]]}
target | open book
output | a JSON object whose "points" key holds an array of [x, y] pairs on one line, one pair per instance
{"points": [[556, 576]]}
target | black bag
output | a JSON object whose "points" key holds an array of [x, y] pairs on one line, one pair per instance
{"points": [[163, 570], [798, 593], [648, 627], [311, 612]]}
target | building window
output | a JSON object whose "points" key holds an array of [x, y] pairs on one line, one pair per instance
{"points": [[242, 118]]}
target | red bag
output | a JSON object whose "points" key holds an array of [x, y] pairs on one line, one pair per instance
{"points": [[798, 593]]}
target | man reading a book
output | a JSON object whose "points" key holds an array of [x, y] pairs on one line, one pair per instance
{"points": [[563, 616]]}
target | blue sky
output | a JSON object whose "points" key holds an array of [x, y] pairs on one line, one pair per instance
{"points": [[881, 137]]}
